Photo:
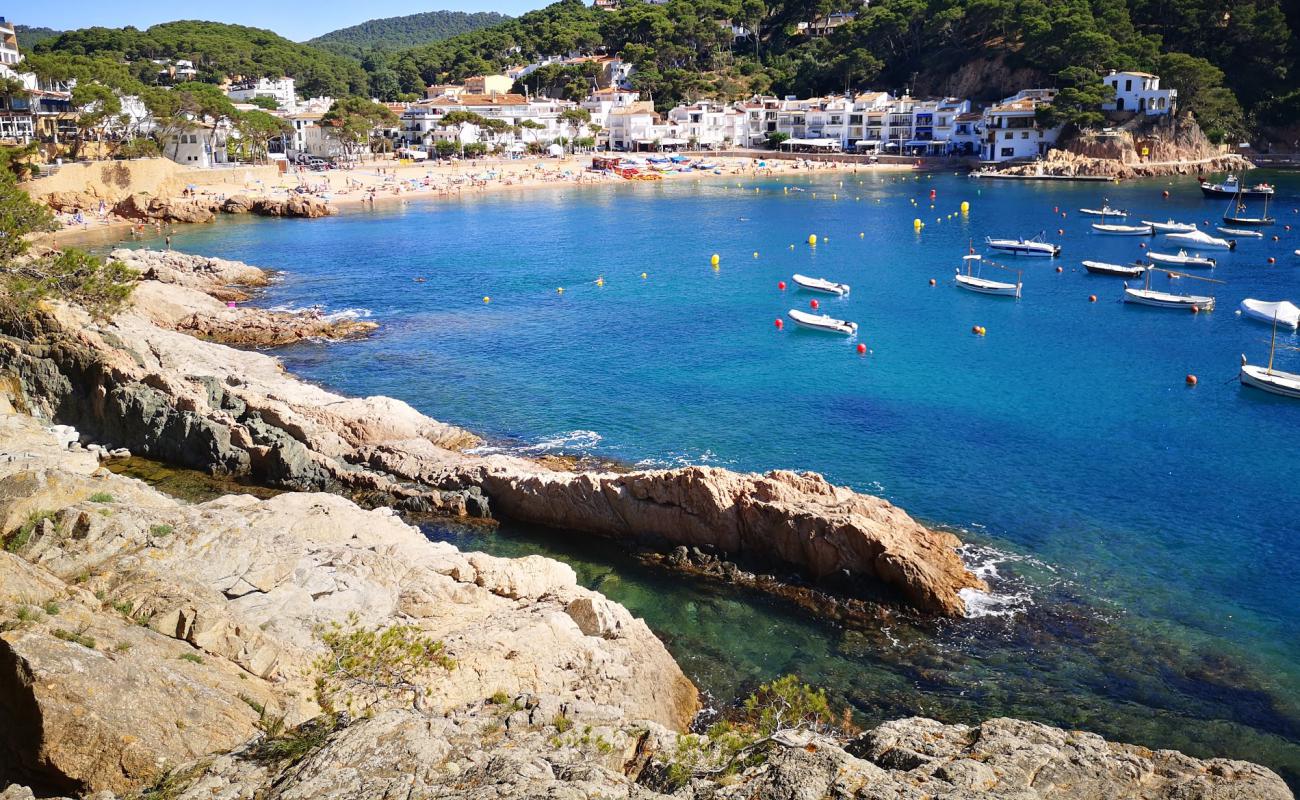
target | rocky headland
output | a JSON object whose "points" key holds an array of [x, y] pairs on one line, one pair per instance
{"points": [[151, 648]]}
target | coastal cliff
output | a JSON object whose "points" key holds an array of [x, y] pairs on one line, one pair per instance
{"points": [[155, 649], [141, 381]]}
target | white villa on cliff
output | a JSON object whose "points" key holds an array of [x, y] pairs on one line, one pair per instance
{"points": [[1140, 93]]}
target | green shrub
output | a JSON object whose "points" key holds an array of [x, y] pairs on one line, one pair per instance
{"points": [[101, 497], [160, 530], [787, 703], [51, 607], [366, 665], [499, 698], [562, 723], [194, 658], [19, 539], [79, 637], [26, 613]]}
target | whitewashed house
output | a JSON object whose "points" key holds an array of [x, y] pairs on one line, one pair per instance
{"points": [[281, 90], [1139, 92], [1012, 130]]}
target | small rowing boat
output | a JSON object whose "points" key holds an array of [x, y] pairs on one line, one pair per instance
{"points": [[1182, 259], [822, 322], [1104, 211], [1240, 232], [821, 285], [972, 282], [1118, 270], [1122, 230], [1200, 238], [1282, 312], [1036, 246], [1146, 296], [1170, 226]]}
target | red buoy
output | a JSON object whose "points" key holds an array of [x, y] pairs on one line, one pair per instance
{"points": [[932, 194], [1275, 238], [1286, 227], [813, 304], [1060, 231], [1092, 298], [779, 323], [1142, 245], [780, 285], [1060, 269], [1191, 380], [1165, 194], [1056, 209], [862, 349], [1272, 260], [1196, 309], [932, 281]]}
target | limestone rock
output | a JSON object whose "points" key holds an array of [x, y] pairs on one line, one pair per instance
{"points": [[146, 208], [237, 204]]}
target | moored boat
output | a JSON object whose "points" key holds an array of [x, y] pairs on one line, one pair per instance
{"points": [[1281, 312], [1104, 211], [1240, 232], [1200, 238], [1170, 226], [972, 282], [822, 322], [1182, 259], [1275, 381], [1232, 186], [821, 285], [1236, 214], [1119, 270], [1147, 296], [1036, 246], [1122, 230]]}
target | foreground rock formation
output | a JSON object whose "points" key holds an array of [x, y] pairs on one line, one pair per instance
{"points": [[148, 208], [151, 644], [170, 396]]}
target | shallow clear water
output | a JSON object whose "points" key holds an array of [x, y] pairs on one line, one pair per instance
{"points": [[1164, 516]]}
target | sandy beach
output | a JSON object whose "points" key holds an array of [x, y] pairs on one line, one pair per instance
{"points": [[386, 181]]}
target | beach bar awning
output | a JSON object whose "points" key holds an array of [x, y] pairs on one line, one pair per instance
{"points": [[867, 142], [832, 143]]}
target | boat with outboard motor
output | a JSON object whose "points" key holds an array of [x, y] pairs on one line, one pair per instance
{"points": [[1282, 312], [1121, 230], [1104, 211], [822, 322], [1037, 246], [1199, 238], [1133, 270], [1170, 226], [820, 285], [1182, 259]]}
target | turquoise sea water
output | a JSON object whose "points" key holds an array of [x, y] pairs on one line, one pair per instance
{"points": [[1143, 533]]}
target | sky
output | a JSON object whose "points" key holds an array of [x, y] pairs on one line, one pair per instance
{"points": [[297, 21]]}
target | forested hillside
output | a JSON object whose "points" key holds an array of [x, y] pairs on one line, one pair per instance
{"points": [[1232, 61], [29, 36], [217, 50], [393, 33]]}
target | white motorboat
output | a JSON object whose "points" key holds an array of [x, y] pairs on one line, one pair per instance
{"points": [[1275, 381], [1104, 211], [1182, 259], [1170, 226], [1147, 296], [821, 285], [1199, 238], [1120, 270], [1036, 246], [1122, 230], [1282, 312], [1233, 187], [822, 322], [1240, 232], [972, 282]]}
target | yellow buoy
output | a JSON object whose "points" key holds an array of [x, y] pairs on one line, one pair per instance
{"points": [[643, 276], [812, 239], [559, 290], [714, 261], [755, 254], [965, 207], [862, 235], [835, 197], [600, 281], [917, 223], [487, 299]]}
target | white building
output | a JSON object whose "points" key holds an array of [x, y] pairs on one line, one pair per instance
{"points": [[199, 146], [706, 124], [632, 125], [1139, 92], [281, 90], [9, 54], [1012, 130], [526, 121], [602, 101]]}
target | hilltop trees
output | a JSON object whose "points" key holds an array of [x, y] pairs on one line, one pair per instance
{"points": [[354, 118]]}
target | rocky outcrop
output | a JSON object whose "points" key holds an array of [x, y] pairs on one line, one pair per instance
{"points": [[1140, 149], [147, 600], [304, 206], [146, 208], [237, 204]]}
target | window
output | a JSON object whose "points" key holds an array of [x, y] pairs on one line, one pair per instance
{"points": [[1008, 152], [1128, 85], [1008, 135], [1024, 134]]}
